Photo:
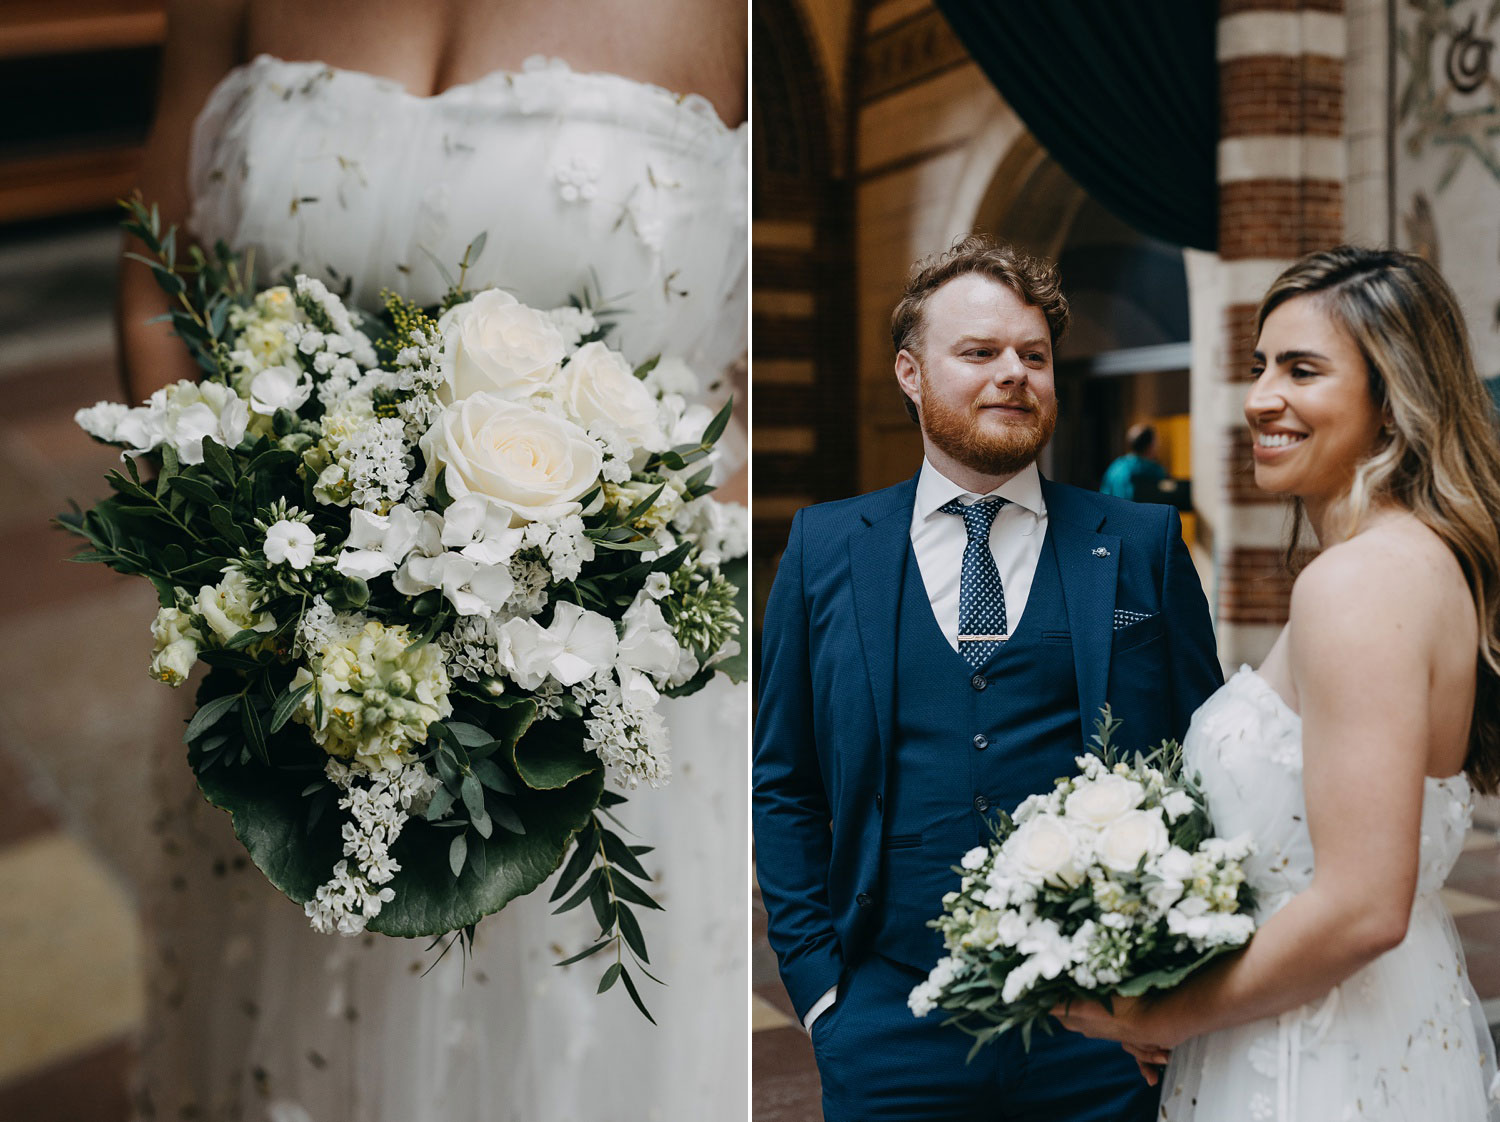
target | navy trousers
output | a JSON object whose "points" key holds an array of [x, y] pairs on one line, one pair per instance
{"points": [[879, 1063]]}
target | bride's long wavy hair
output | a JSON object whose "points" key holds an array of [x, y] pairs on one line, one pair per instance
{"points": [[1439, 454]]}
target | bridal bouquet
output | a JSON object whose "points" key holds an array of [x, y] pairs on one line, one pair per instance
{"points": [[1111, 884], [441, 566]]}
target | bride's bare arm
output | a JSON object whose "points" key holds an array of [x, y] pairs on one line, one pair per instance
{"points": [[203, 43], [1361, 654]]}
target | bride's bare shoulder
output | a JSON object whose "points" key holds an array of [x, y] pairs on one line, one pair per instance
{"points": [[1398, 571]]}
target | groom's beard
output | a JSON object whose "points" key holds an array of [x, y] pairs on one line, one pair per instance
{"points": [[986, 450]]}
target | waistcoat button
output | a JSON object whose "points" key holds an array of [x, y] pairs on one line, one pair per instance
{"points": [[981, 803], [864, 900], [981, 742], [979, 681]]}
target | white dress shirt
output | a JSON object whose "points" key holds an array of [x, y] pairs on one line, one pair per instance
{"points": [[939, 539]]}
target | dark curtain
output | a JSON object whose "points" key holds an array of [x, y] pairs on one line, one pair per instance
{"points": [[1122, 93]]}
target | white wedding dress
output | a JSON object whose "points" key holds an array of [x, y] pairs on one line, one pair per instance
{"points": [[577, 180], [1401, 1040]]}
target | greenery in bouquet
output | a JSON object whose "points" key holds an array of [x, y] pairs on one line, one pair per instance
{"points": [[441, 565], [1113, 883]]}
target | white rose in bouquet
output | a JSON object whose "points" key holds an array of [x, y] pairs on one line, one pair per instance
{"points": [[1101, 801], [1045, 848], [599, 389], [497, 345], [534, 465], [1130, 838]]}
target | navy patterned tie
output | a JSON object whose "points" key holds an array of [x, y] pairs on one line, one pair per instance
{"points": [[981, 598]]}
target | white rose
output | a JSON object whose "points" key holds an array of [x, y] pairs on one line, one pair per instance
{"points": [[495, 344], [534, 465], [1043, 849], [1099, 802], [1134, 835], [599, 389], [1177, 803], [279, 387], [291, 542]]}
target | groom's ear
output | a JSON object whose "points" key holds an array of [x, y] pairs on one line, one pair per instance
{"points": [[909, 376]]}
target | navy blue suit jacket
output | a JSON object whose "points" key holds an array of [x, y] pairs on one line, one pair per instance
{"points": [[827, 692]]}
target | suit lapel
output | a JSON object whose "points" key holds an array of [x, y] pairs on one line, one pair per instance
{"points": [[877, 564], [1089, 564]]}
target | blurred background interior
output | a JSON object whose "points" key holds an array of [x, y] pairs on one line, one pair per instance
{"points": [[78, 718], [1173, 156]]}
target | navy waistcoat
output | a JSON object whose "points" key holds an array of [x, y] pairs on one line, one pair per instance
{"points": [[967, 744]]}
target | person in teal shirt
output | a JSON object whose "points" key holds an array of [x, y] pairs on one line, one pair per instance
{"points": [[1124, 478]]}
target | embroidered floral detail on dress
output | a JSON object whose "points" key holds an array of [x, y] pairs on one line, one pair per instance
{"points": [[1263, 1056], [1260, 1107], [577, 179]]}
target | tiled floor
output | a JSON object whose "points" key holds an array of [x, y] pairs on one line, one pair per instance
{"points": [[784, 1083]]}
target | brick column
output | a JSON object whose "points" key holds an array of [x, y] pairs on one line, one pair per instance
{"points": [[1281, 177]]}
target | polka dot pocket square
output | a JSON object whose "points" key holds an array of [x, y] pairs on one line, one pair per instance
{"points": [[1124, 617]]}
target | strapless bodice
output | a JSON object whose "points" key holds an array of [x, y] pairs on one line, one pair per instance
{"points": [[579, 182], [1246, 743]]}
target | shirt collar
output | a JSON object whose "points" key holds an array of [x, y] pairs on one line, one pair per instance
{"points": [[934, 489]]}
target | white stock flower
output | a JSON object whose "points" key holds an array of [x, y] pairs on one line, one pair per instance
{"points": [[572, 324], [1099, 802], [1044, 849], [279, 387], [534, 465], [599, 389], [587, 640], [194, 410], [229, 607], [975, 858], [649, 654], [290, 542], [379, 543], [1176, 803], [497, 345], [480, 530], [1130, 838], [102, 421], [526, 650], [474, 588], [672, 375]]}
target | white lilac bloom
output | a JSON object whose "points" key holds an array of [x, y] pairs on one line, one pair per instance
{"points": [[291, 543]]}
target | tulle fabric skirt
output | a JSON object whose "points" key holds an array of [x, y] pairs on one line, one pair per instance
{"points": [[252, 1016], [1402, 1040]]}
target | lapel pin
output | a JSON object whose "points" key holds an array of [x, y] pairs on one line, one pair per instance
{"points": [[1100, 551]]}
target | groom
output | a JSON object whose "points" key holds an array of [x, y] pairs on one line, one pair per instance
{"points": [[935, 652]]}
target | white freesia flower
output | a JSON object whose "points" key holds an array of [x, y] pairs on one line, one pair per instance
{"points": [[497, 345], [1099, 802], [599, 389], [1045, 848], [290, 542], [1130, 838], [534, 465], [177, 643], [230, 607], [279, 387]]}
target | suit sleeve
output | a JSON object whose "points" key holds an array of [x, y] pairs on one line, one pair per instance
{"points": [[1194, 657], [790, 805]]}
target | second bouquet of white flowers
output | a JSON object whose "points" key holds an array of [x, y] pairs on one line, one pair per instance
{"points": [[1110, 885], [441, 565]]}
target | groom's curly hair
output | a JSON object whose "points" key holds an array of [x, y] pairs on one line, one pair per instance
{"points": [[1034, 279]]}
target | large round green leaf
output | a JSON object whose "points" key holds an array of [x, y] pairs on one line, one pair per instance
{"points": [[560, 785]]}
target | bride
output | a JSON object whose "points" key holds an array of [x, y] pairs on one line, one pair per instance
{"points": [[1351, 756], [366, 143]]}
